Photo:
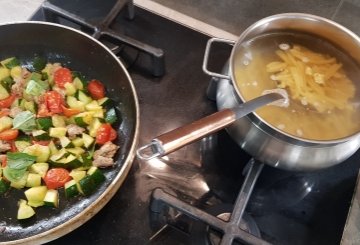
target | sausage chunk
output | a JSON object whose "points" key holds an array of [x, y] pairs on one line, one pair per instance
{"points": [[103, 156]]}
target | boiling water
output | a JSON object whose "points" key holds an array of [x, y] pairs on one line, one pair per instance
{"points": [[298, 119]]}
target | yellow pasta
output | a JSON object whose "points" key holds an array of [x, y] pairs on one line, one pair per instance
{"points": [[313, 78]]}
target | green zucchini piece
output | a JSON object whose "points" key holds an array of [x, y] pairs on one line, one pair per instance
{"points": [[77, 151], [70, 89], [44, 123], [87, 185], [111, 116], [51, 198], [3, 92], [94, 126], [39, 168], [35, 195], [78, 142], [5, 123], [10, 62], [77, 175], [83, 97], [78, 83], [21, 145], [30, 106], [71, 189], [15, 72], [57, 132], [4, 185], [58, 121], [33, 180], [40, 135], [97, 175], [19, 184], [39, 63], [88, 140], [42, 152], [24, 211], [7, 82], [4, 72]]}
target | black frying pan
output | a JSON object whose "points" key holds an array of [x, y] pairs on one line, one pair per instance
{"points": [[80, 53]]}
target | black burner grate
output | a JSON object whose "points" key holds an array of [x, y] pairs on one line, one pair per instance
{"points": [[230, 229], [102, 30]]}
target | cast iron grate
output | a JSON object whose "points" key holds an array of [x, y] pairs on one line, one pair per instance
{"points": [[230, 229], [102, 30]]}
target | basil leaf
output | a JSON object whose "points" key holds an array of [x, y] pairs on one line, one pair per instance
{"points": [[13, 174], [19, 160], [24, 121]]}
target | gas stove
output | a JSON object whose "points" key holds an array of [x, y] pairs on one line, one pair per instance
{"points": [[164, 60]]}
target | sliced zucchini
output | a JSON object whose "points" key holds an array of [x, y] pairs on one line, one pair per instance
{"points": [[78, 142], [51, 198], [94, 126], [39, 168], [6, 83], [97, 175], [3, 92], [78, 83], [4, 73], [98, 113], [70, 89], [77, 175], [21, 145], [111, 116], [24, 211], [71, 189], [19, 184], [62, 153], [87, 185], [36, 195], [30, 106], [33, 179], [44, 123], [40, 135], [77, 151], [74, 103], [88, 140], [10, 62], [57, 132], [84, 98], [93, 106], [64, 141], [42, 152], [58, 121], [34, 88], [39, 64], [5, 123], [68, 162], [53, 149], [15, 72]]}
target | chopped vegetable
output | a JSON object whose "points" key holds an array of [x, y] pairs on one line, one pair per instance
{"points": [[25, 121], [62, 76], [56, 177]]}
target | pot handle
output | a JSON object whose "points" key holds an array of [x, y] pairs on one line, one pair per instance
{"points": [[179, 137], [207, 53]]}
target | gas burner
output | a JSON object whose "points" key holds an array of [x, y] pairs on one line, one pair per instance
{"points": [[113, 40], [231, 226], [204, 234]]}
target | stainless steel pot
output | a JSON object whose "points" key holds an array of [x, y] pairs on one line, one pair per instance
{"points": [[263, 141]]}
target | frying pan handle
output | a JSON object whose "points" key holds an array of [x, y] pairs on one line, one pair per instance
{"points": [[207, 53], [177, 138]]}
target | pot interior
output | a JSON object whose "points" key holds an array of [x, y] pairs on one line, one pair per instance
{"points": [[320, 76]]}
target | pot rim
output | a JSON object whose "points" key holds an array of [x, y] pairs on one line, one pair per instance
{"points": [[259, 121]]}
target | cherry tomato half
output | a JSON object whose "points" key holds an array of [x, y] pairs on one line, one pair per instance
{"points": [[54, 102], [62, 76], [4, 112], [105, 133], [9, 134], [56, 178], [6, 103], [96, 89]]}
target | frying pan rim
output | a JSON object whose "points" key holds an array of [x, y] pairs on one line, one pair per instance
{"points": [[93, 208]]}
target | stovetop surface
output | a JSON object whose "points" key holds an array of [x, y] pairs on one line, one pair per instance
{"points": [[288, 207]]}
